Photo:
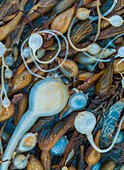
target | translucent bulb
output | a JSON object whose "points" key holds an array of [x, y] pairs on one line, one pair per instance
{"points": [[20, 161], [116, 20], [65, 168], [40, 53], [82, 13], [27, 142], [2, 49], [9, 60], [6, 102], [77, 101], [26, 52], [85, 122], [94, 48], [121, 51], [60, 146], [122, 82], [8, 74], [35, 41]]}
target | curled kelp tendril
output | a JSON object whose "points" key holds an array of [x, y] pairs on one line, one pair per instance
{"points": [[107, 60], [3, 97], [91, 20], [85, 123], [36, 60], [115, 20]]}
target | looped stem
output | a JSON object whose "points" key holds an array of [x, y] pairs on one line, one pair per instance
{"points": [[90, 138]]}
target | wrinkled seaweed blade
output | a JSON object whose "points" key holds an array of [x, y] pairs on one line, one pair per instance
{"points": [[48, 137], [109, 124], [110, 32], [119, 5]]}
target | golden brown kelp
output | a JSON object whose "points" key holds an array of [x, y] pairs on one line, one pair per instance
{"points": [[110, 32], [6, 113], [62, 21], [81, 162], [41, 122], [106, 79], [42, 6], [91, 155], [119, 5], [92, 4], [48, 140], [49, 136], [34, 164], [109, 165], [72, 51], [69, 148], [84, 76], [6, 29], [105, 23], [80, 30], [69, 68], [8, 8], [87, 1], [46, 160], [90, 81], [63, 5], [117, 67], [22, 106], [20, 81]]}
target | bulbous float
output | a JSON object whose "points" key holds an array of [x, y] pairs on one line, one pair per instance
{"points": [[47, 97]]}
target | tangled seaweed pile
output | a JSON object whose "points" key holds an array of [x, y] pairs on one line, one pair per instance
{"points": [[61, 92]]}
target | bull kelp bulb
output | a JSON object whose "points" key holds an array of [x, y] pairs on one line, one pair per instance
{"points": [[82, 13], [8, 73], [93, 48], [6, 102], [85, 122], [35, 41], [76, 102], [116, 20], [2, 49], [121, 52], [9, 60], [60, 146], [26, 52], [20, 161], [27, 142], [64, 168]]}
